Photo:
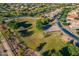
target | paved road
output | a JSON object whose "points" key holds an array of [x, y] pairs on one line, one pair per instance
{"points": [[12, 44], [65, 30], [6, 46], [2, 53], [17, 17]]}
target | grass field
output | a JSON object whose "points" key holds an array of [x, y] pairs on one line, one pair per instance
{"points": [[53, 41]]}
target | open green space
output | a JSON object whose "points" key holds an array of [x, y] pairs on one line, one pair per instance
{"points": [[29, 24], [37, 37]]}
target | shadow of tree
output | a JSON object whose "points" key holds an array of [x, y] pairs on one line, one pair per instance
{"points": [[24, 28], [45, 27], [40, 46], [46, 53], [49, 52], [25, 33], [64, 51], [77, 44], [24, 24]]}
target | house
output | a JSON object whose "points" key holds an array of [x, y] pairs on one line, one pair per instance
{"points": [[71, 15]]}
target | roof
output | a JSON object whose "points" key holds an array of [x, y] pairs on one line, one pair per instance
{"points": [[72, 14]]}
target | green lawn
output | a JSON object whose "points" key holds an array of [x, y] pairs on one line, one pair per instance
{"points": [[54, 41]]}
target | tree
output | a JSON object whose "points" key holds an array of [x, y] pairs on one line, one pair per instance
{"points": [[66, 23], [69, 50], [12, 24], [46, 21], [39, 24], [73, 50]]}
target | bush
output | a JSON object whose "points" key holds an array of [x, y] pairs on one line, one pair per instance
{"points": [[12, 24], [39, 24], [66, 24]]}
